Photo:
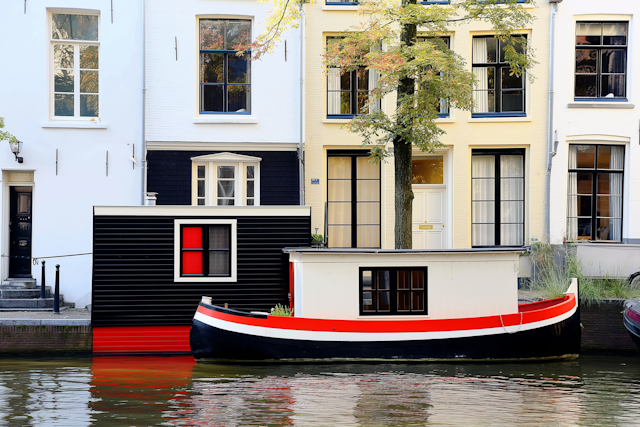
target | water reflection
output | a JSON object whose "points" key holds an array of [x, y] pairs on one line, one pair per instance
{"points": [[174, 391]]}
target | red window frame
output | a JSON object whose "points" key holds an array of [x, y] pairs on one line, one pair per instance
{"points": [[195, 250]]}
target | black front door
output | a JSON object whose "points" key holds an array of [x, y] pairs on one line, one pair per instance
{"points": [[20, 231]]}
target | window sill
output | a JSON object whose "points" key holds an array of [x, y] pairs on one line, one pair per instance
{"points": [[336, 121], [446, 120], [498, 119], [596, 104], [75, 125], [220, 119], [349, 7]]}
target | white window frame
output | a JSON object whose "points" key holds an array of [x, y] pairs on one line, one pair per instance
{"points": [[76, 66], [211, 162], [178, 223]]}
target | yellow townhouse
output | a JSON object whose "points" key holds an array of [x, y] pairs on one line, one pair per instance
{"points": [[485, 187]]}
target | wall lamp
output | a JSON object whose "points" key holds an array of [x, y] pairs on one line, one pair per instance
{"points": [[16, 147]]}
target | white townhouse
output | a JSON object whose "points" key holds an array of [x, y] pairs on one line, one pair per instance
{"points": [[221, 129], [71, 85], [595, 188]]}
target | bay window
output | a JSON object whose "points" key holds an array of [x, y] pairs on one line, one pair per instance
{"points": [[225, 179]]}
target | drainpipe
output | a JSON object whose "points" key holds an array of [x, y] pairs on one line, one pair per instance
{"points": [[143, 155], [552, 145], [300, 145]]}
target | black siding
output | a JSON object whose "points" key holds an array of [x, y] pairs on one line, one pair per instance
{"points": [[133, 270], [169, 175]]}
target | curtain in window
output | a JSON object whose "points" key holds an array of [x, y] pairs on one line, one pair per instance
{"points": [[339, 202], [511, 200], [615, 191], [483, 201], [480, 94], [333, 92], [373, 83], [572, 205]]}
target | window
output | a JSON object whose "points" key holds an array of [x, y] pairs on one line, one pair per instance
{"points": [[225, 179], [393, 291], [225, 78], [601, 60], [348, 93], [75, 52], [343, 2], [497, 197], [443, 106], [353, 200], [498, 92], [596, 177], [205, 250]]}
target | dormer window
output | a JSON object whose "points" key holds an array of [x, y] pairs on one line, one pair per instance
{"points": [[225, 179]]}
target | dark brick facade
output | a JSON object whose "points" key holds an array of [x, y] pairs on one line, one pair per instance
{"points": [[45, 339], [603, 329], [169, 175]]}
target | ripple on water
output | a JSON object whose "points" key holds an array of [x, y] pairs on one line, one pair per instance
{"points": [[177, 392]]}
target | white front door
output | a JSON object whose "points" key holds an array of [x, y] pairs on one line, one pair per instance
{"points": [[429, 217]]}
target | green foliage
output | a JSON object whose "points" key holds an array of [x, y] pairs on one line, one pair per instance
{"points": [[317, 239], [552, 280], [421, 73], [4, 135], [281, 310]]}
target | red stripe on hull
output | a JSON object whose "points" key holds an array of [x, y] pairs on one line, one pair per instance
{"points": [[141, 339], [531, 313]]}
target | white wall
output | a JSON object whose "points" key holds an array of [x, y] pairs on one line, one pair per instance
{"points": [[172, 85], [459, 285], [595, 125], [62, 203]]}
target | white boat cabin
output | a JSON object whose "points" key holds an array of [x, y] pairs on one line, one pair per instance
{"points": [[404, 284]]}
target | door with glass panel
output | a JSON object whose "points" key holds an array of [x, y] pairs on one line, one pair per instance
{"points": [[429, 215], [353, 200], [497, 197]]}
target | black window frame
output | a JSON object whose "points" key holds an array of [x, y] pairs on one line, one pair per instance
{"points": [[354, 154], [599, 74], [594, 193], [497, 198], [354, 90], [498, 90], [447, 41], [393, 291], [206, 249], [225, 67]]}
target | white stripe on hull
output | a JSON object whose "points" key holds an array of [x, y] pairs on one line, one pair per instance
{"points": [[292, 334]]}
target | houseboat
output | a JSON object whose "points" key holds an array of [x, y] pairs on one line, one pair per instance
{"points": [[631, 319], [398, 305]]}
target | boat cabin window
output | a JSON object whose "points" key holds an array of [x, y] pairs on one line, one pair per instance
{"points": [[393, 291], [205, 250]]}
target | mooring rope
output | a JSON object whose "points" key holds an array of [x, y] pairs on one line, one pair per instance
{"points": [[36, 260], [505, 329]]}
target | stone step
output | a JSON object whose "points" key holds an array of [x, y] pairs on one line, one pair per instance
{"points": [[26, 303], [24, 293], [9, 310], [19, 283]]}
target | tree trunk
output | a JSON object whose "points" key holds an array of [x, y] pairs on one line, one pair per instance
{"points": [[402, 156]]}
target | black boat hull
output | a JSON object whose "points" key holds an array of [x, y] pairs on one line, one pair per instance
{"points": [[558, 340]]}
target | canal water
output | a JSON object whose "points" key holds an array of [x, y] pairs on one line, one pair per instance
{"points": [[175, 391]]}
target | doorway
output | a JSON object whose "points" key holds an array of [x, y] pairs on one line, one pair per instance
{"points": [[429, 219], [20, 219]]}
